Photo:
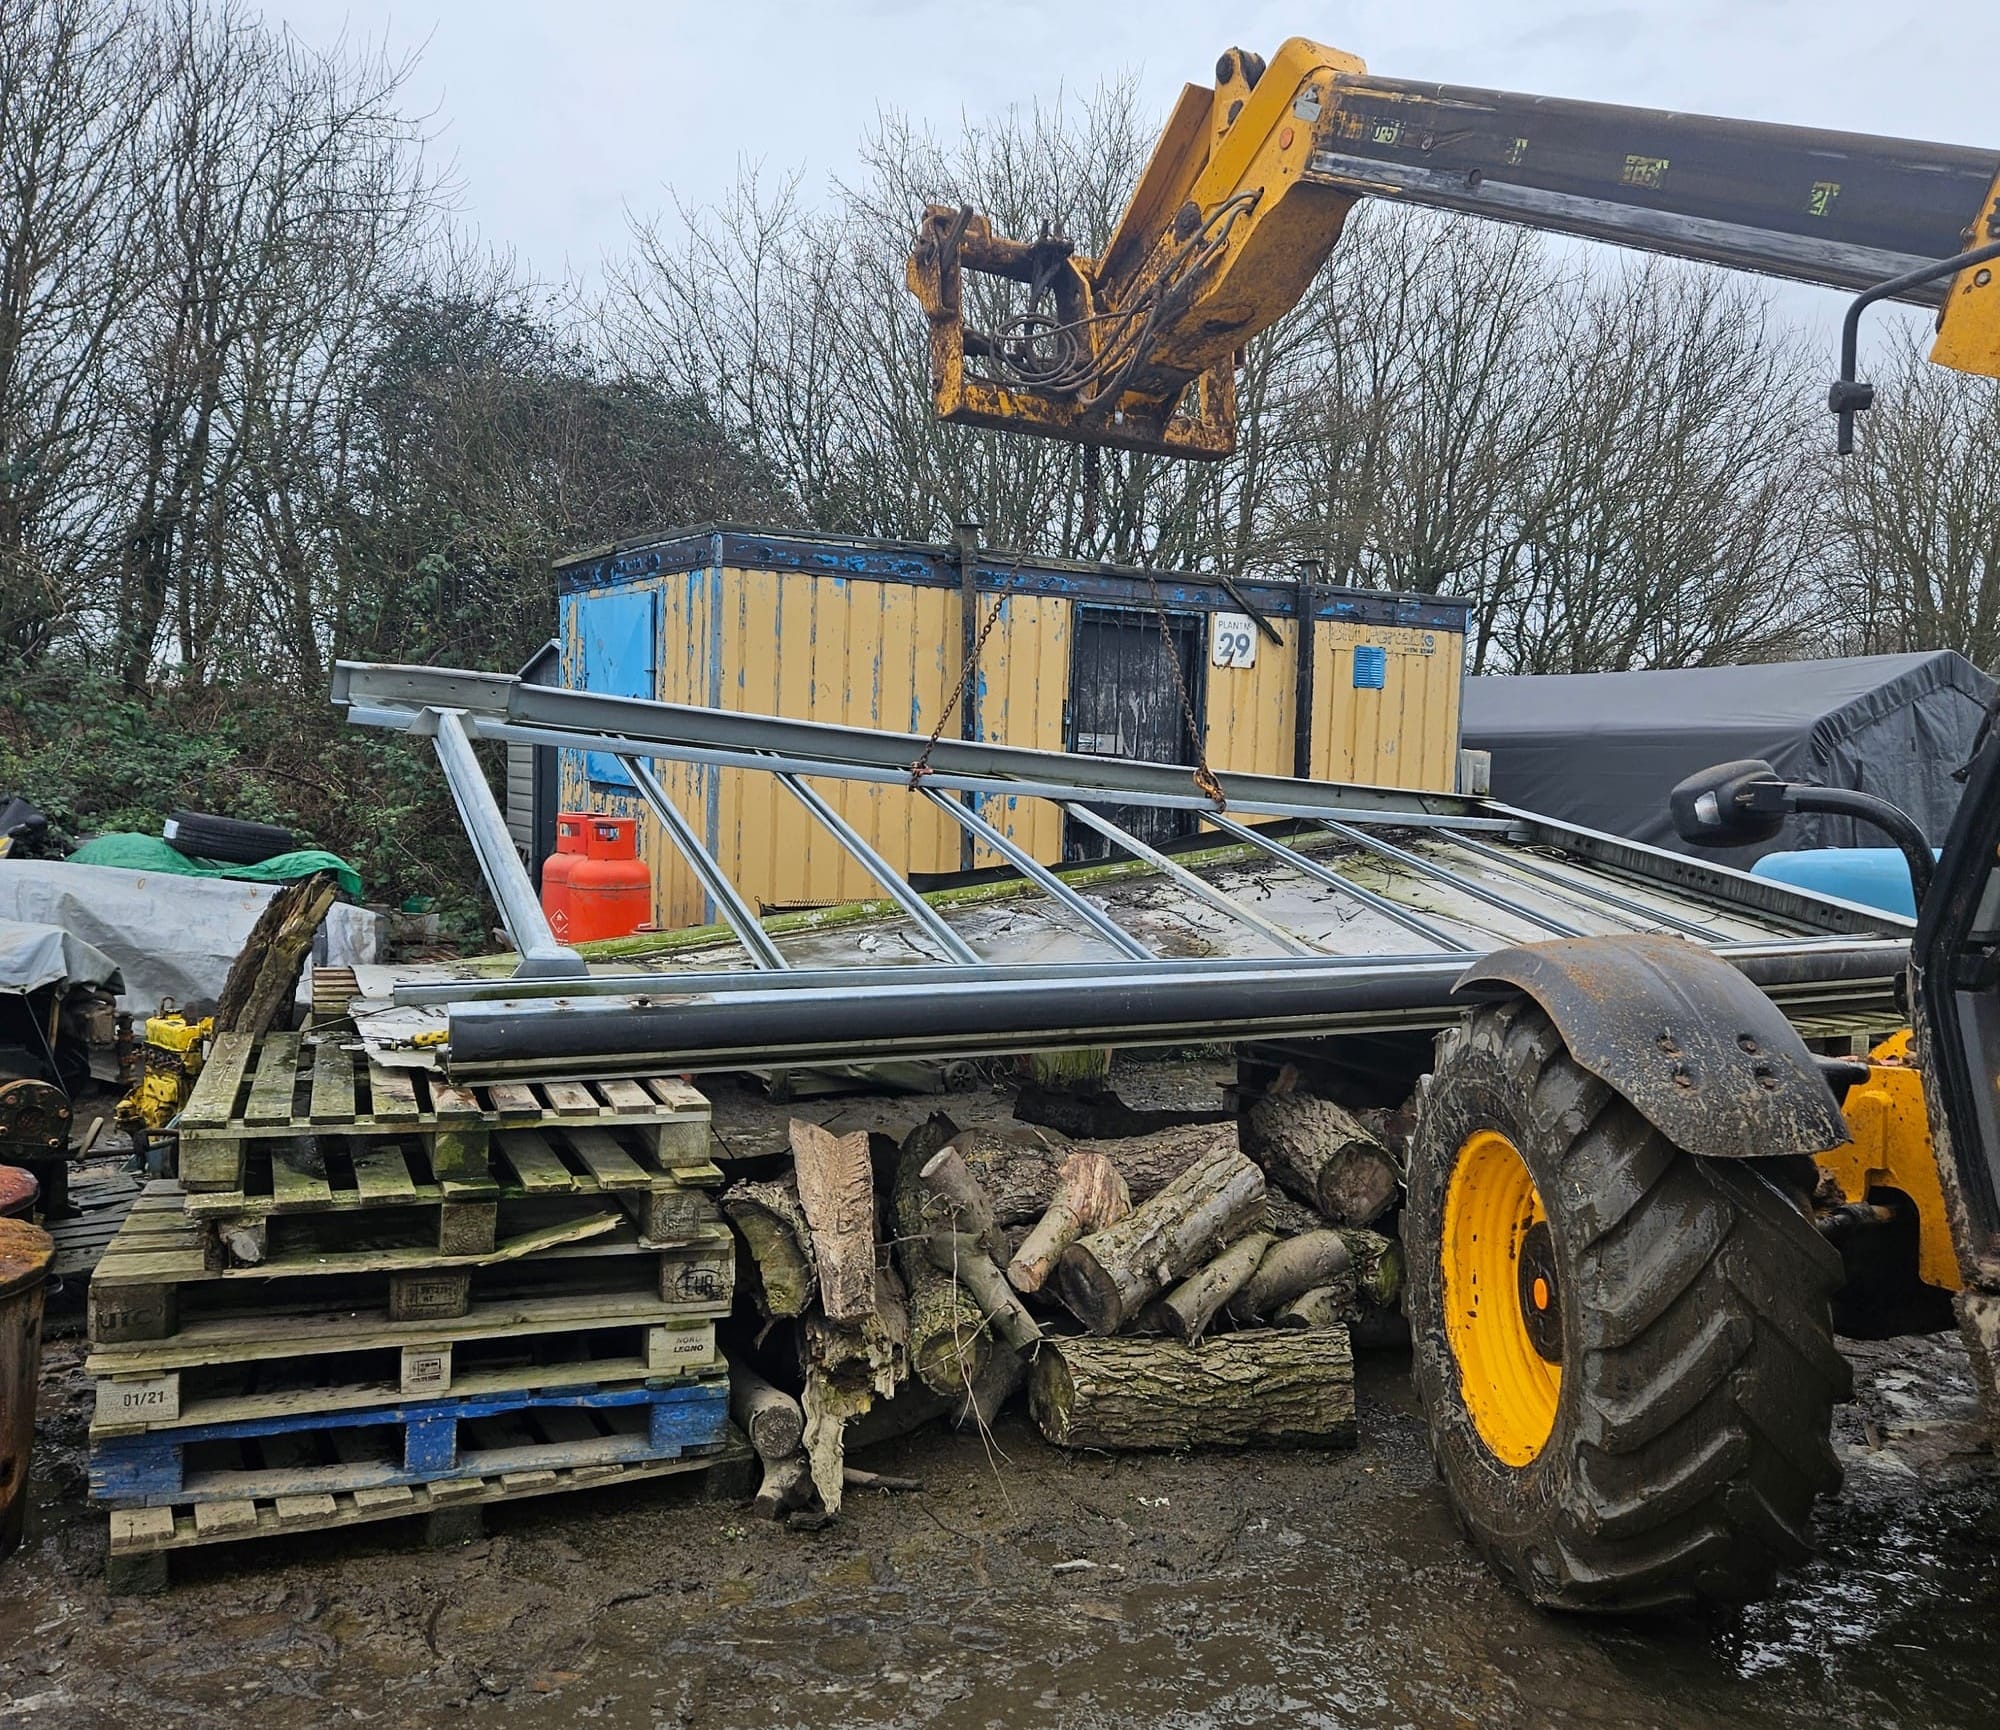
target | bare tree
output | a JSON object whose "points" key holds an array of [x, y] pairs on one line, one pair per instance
{"points": [[797, 321], [1602, 461], [1916, 555], [1673, 522], [284, 183], [1430, 355], [76, 85]]}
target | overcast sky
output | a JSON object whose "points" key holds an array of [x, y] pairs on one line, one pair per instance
{"points": [[561, 116]]}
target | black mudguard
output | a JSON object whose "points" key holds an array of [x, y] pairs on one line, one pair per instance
{"points": [[1702, 1054]]}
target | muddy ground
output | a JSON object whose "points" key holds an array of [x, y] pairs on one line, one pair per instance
{"points": [[1295, 1589]]}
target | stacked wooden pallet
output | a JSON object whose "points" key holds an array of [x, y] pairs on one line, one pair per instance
{"points": [[373, 1294]]}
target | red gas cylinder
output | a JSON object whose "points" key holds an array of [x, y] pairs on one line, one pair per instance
{"points": [[610, 887], [571, 834]]}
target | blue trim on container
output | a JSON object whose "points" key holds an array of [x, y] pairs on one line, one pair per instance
{"points": [[936, 567]]}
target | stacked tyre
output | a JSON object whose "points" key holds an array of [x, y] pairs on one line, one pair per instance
{"points": [[228, 840]]}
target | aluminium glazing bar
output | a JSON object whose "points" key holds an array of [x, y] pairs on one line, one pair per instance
{"points": [[542, 957], [1198, 887], [736, 912], [921, 911], [1437, 873], [1122, 972], [1585, 896], [1041, 876], [1393, 910]]}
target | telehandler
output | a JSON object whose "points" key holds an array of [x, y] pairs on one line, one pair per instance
{"points": [[1636, 1200]]}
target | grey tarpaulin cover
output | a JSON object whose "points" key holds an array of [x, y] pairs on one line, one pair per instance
{"points": [[170, 936], [32, 956], [1604, 749]]}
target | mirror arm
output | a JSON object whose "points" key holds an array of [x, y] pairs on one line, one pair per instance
{"points": [[1866, 808]]}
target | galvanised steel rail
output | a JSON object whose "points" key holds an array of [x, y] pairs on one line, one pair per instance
{"points": [[824, 1017], [1819, 954]]}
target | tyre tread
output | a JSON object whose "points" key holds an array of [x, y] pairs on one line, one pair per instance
{"points": [[1699, 1431]]}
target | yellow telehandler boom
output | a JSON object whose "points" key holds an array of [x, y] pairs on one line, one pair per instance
{"points": [[1252, 180]]}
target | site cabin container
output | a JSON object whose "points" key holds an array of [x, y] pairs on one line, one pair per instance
{"points": [[871, 633]]}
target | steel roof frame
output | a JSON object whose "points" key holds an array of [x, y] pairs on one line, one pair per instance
{"points": [[959, 998]]}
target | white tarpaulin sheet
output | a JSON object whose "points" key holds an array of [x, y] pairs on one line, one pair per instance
{"points": [[170, 936], [32, 956]]}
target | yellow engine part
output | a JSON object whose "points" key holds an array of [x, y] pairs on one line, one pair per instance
{"points": [[1892, 1149], [1490, 1206], [172, 1054], [172, 1031], [154, 1102]]}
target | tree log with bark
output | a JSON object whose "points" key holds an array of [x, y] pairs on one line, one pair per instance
{"points": [[1090, 1194], [787, 1484], [964, 1257], [1108, 1277], [1281, 1387], [849, 1366], [1325, 1306], [955, 1201], [1323, 1154], [768, 1415], [265, 975], [772, 1223], [1378, 1266], [1020, 1173], [1185, 1312], [949, 1343], [1296, 1265], [1005, 1371], [889, 1420]]}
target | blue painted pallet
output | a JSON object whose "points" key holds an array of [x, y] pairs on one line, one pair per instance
{"points": [[411, 1442]]}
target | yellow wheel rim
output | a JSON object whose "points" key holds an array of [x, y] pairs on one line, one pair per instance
{"points": [[1500, 1301]]}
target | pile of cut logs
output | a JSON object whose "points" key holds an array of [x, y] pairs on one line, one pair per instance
{"points": [[1192, 1287]]}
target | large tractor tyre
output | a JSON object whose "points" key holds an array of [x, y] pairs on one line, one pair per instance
{"points": [[1624, 1353]]}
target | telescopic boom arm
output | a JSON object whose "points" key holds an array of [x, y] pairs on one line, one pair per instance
{"points": [[1252, 180]]}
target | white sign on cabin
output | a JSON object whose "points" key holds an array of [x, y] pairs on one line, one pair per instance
{"points": [[1232, 640]]}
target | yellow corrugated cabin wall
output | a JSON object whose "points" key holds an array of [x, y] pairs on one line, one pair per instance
{"points": [[1404, 735], [1023, 699], [815, 647], [856, 651], [865, 652], [1250, 710], [687, 635]]}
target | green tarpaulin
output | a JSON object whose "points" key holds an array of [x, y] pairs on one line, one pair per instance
{"points": [[150, 853]]}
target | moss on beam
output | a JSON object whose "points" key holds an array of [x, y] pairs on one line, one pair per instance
{"points": [[646, 944]]}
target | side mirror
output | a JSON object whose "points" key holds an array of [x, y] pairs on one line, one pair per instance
{"points": [[1731, 805]]}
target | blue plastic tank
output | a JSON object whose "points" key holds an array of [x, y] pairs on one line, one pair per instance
{"points": [[1873, 876]]}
